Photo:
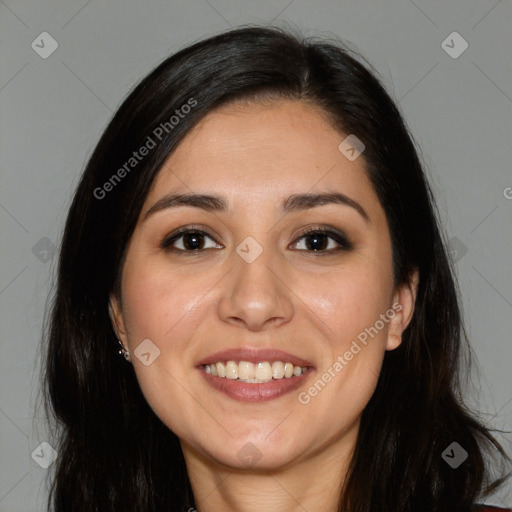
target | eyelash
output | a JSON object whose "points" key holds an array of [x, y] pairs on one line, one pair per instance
{"points": [[340, 238]]}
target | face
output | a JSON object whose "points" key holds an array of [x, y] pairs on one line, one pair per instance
{"points": [[269, 277]]}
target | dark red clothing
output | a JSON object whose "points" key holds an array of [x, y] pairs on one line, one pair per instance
{"points": [[489, 508]]}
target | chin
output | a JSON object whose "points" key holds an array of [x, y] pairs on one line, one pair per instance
{"points": [[257, 453], [250, 459]]}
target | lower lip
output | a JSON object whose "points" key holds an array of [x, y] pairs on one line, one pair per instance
{"points": [[253, 392]]}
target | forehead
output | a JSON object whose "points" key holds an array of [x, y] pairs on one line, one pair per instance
{"points": [[263, 152]]}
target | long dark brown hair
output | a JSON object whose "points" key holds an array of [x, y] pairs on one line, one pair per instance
{"points": [[114, 453]]}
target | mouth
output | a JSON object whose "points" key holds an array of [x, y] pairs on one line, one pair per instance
{"points": [[254, 375]]}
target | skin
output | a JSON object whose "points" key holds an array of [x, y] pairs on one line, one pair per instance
{"points": [[290, 297]]}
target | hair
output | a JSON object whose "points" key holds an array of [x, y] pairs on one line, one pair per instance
{"points": [[114, 452]]}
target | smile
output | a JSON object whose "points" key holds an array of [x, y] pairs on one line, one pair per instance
{"points": [[254, 374], [258, 373]]}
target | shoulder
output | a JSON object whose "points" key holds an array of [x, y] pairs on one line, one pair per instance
{"points": [[490, 508]]}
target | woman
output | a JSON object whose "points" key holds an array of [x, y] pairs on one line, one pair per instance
{"points": [[255, 230]]}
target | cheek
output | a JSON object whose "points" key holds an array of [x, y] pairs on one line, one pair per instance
{"points": [[352, 353], [158, 301], [161, 306], [347, 302]]}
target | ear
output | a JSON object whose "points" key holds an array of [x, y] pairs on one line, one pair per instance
{"points": [[116, 317], [403, 305]]}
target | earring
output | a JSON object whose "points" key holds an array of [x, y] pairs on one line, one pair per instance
{"points": [[125, 352]]}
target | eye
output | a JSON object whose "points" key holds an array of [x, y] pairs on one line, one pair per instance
{"points": [[324, 241], [190, 240], [318, 241]]}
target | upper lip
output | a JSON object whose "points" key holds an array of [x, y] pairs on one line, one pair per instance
{"points": [[254, 355]]}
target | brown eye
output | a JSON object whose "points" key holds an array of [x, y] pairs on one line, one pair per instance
{"points": [[323, 241], [188, 240]]}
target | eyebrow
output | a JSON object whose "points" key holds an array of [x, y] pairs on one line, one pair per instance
{"points": [[294, 203]]}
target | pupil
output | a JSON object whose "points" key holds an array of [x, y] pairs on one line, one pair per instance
{"points": [[192, 241], [196, 241], [315, 242]]}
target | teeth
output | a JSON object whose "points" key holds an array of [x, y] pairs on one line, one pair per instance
{"points": [[277, 370], [246, 371], [221, 370], [263, 372], [231, 370]]}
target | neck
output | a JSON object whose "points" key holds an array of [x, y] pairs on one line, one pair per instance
{"points": [[311, 483]]}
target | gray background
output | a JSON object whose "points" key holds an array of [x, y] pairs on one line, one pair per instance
{"points": [[54, 110]]}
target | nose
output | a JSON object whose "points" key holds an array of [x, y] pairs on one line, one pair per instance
{"points": [[256, 296]]}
